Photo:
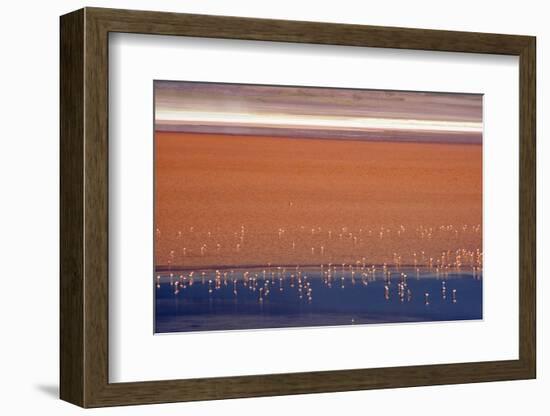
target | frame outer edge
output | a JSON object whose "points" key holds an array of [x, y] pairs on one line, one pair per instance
{"points": [[311, 32], [528, 209], [71, 331]]}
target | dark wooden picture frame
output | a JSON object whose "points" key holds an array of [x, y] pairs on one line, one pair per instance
{"points": [[84, 207]]}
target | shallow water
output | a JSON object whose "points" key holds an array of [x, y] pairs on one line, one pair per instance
{"points": [[217, 302]]}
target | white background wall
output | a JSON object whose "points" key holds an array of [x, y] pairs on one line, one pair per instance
{"points": [[29, 158]]}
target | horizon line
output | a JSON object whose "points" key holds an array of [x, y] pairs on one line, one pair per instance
{"points": [[457, 139]]}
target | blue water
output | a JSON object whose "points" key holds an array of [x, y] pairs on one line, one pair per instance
{"points": [[205, 306]]}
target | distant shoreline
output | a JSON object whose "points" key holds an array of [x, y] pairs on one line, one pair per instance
{"points": [[225, 267], [378, 136]]}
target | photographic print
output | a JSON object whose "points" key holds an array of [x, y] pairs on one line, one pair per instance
{"points": [[290, 206]]}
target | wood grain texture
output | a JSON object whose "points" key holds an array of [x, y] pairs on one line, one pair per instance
{"points": [[527, 208], [72, 367], [84, 207], [96, 209]]}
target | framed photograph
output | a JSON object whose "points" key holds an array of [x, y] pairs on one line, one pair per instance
{"points": [[255, 207]]}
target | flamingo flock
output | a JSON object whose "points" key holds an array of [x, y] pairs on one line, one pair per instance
{"points": [[435, 247], [263, 281], [216, 260]]}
